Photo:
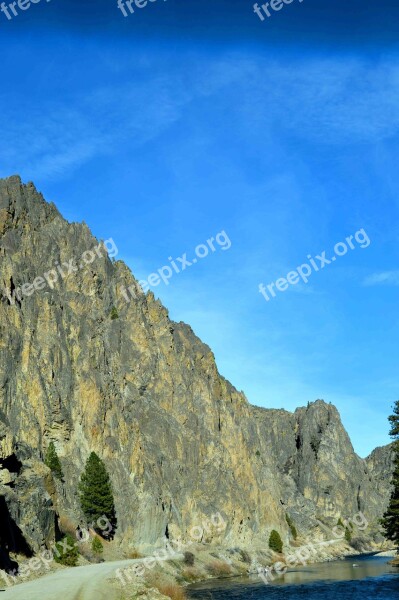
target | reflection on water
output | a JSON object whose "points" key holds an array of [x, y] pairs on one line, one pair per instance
{"points": [[359, 578]]}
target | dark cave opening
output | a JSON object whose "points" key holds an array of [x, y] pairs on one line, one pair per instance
{"points": [[12, 464], [11, 540]]}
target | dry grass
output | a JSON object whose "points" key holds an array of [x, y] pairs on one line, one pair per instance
{"points": [[191, 574], [133, 554], [240, 569], [66, 525], [219, 568], [173, 591]]}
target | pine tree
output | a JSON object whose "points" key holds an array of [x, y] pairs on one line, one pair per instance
{"points": [[275, 541], [53, 462], [96, 497], [66, 552], [390, 521]]}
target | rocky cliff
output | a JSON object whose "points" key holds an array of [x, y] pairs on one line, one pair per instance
{"points": [[82, 367]]}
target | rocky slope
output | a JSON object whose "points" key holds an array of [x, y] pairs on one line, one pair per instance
{"points": [[144, 392]]}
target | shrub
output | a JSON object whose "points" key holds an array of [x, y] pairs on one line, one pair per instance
{"points": [[189, 559], [53, 462], [66, 552], [360, 543], [173, 591], [96, 546], [114, 313], [348, 535], [219, 568], [245, 556], [291, 525], [275, 542], [134, 554], [191, 574]]}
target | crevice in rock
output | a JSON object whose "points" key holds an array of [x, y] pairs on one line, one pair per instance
{"points": [[12, 297], [11, 540]]}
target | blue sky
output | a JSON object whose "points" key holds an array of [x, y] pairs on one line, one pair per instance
{"points": [[189, 118]]}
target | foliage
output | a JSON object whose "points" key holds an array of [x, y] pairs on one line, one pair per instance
{"points": [[390, 521], [245, 557], [53, 462], [114, 313], [275, 542], [66, 551], [189, 559], [291, 525], [96, 497], [96, 545], [348, 535], [348, 532]]}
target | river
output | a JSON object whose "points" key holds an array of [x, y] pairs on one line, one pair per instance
{"points": [[355, 578]]}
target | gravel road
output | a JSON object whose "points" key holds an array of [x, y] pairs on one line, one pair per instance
{"points": [[79, 583]]}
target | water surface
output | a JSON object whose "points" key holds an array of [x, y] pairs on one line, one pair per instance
{"points": [[359, 578]]}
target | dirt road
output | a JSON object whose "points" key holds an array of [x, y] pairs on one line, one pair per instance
{"points": [[79, 583]]}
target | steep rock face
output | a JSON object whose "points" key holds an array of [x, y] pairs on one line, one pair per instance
{"points": [[27, 517], [143, 392], [380, 468], [322, 476]]}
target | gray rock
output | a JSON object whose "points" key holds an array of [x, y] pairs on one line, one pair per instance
{"points": [[180, 442]]}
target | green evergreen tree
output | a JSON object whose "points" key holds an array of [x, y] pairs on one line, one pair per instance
{"points": [[66, 552], [96, 497], [390, 521], [291, 525], [275, 542], [53, 462], [96, 546]]}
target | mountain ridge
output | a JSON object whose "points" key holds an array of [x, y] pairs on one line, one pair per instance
{"points": [[180, 442]]}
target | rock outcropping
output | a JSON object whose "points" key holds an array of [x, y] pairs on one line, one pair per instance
{"points": [[83, 368]]}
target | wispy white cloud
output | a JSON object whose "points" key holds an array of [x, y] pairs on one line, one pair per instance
{"points": [[383, 278], [333, 101]]}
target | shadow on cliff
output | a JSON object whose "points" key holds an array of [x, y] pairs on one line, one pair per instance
{"points": [[11, 540]]}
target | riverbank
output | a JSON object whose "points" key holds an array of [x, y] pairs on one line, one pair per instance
{"points": [[365, 578], [204, 563]]}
